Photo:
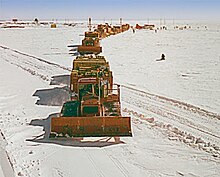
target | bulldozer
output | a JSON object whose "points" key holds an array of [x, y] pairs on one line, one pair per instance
{"points": [[90, 44], [94, 109]]}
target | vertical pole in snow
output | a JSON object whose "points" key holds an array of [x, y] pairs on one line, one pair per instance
{"points": [[160, 22], [90, 24], [121, 21]]}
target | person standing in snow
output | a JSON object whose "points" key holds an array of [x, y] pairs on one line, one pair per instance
{"points": [[133, 29], [162, 57]]}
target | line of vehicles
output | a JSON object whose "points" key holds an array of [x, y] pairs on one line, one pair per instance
{"points": [[95, 108]]}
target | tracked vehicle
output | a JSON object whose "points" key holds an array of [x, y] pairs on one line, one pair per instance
{"points": [[90, 44], [95, 108]]}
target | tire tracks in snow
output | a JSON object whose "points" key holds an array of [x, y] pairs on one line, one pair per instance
{"points": [[118, 164], [170, 110], [36, 58], [98, 170], [173, 102], [193, 126], [111, 162], [32, 64]]}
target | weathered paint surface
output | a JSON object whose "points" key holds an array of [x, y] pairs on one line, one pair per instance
{"points": [[91, 126]]}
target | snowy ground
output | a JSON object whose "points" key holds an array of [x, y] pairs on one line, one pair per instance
{"points": [[181, 94], [191, 72]]}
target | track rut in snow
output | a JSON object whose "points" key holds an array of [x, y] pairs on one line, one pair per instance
{"points": [[32, 64], [36, 58], [181, 121]]}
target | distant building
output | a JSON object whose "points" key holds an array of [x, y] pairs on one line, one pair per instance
{"points": [[53, 25], [14, 20], [36, 21]]}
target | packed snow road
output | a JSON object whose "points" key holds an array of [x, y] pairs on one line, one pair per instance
{"points": [[152, 151]]}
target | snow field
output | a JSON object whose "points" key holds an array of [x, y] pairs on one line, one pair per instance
{"points": [[179, 95]]}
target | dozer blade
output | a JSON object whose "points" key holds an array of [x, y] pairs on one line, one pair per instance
{"points": [[111, 126], [89, 49]]}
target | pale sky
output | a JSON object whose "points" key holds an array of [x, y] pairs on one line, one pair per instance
{"points": [[100, 9]]}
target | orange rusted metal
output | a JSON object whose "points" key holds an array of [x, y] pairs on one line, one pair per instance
{"points": [[91, 126], [90, 49]]}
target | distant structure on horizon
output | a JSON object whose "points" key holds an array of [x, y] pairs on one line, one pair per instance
{"points": [[36, 21], [14, 20]]}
